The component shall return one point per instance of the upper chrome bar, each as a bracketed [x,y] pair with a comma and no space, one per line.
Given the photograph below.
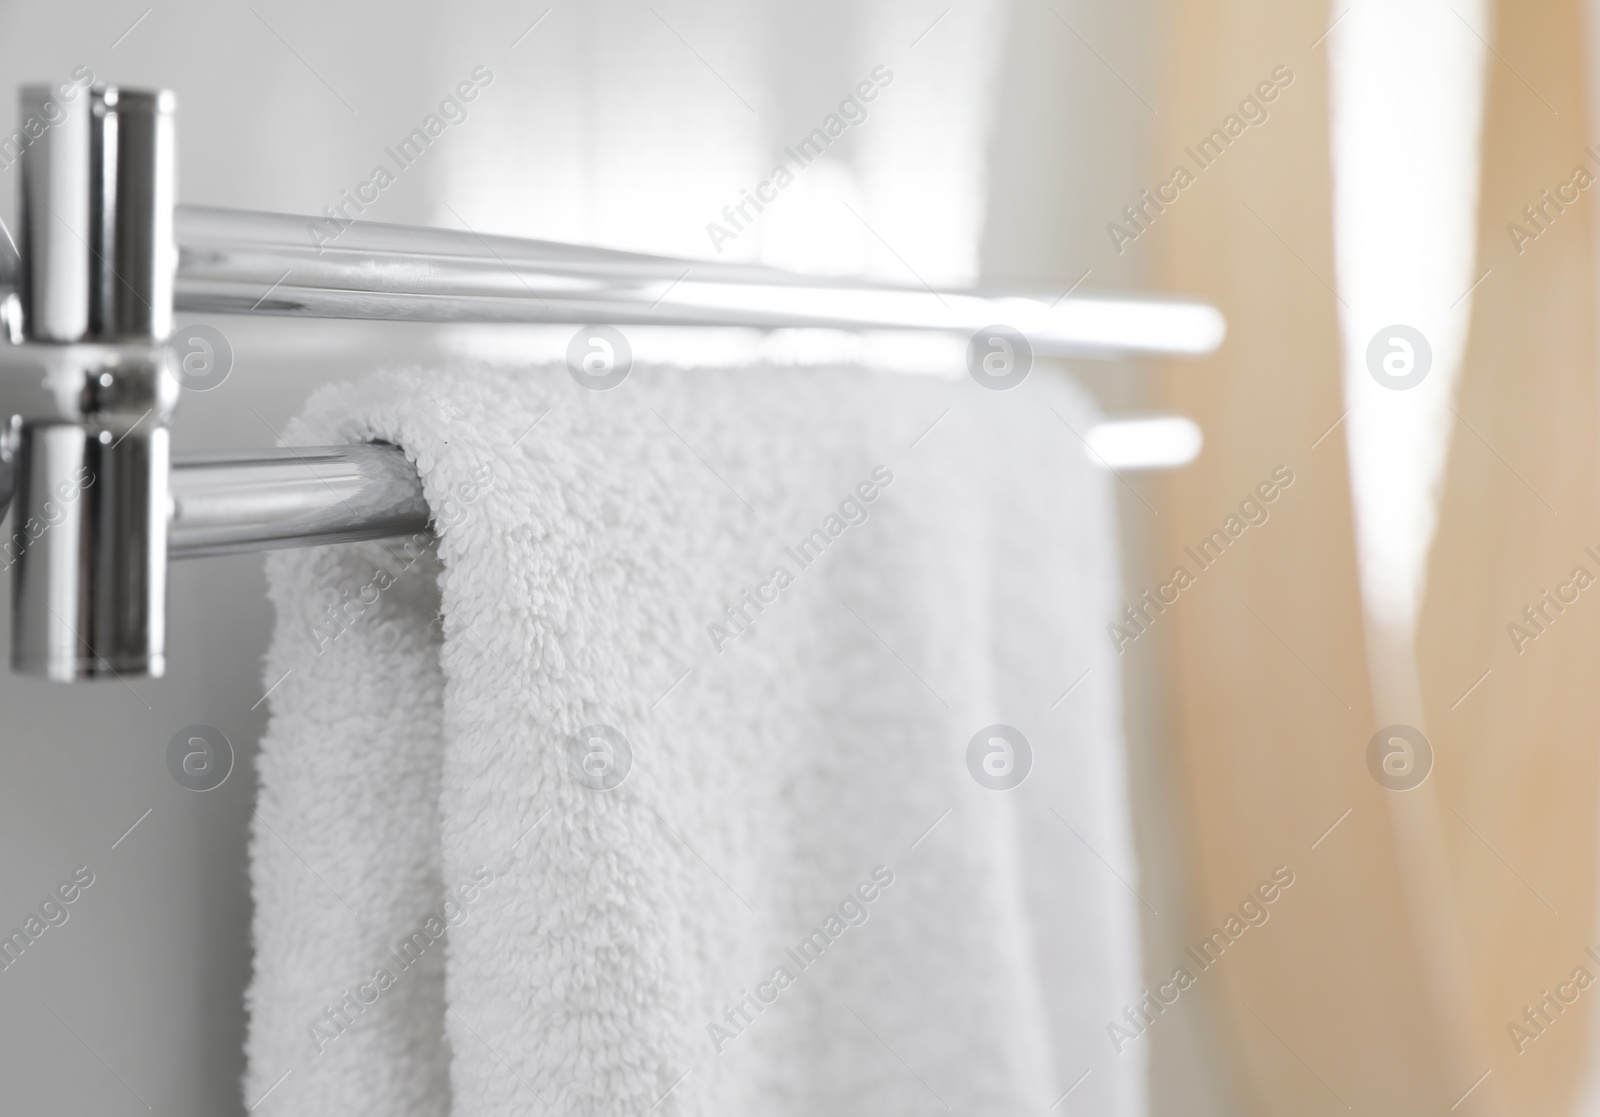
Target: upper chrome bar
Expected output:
[238,262]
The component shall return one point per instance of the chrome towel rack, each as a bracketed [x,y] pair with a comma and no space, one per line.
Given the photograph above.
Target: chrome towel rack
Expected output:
[88,387]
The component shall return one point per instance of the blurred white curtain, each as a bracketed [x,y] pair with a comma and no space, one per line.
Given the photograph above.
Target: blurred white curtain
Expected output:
[1406,88]
[1406,98]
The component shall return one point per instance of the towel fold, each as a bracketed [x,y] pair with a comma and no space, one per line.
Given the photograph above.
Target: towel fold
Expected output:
[646,785]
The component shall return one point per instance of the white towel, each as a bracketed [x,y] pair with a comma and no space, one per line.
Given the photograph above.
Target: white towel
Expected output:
[450,921]
[1057,676]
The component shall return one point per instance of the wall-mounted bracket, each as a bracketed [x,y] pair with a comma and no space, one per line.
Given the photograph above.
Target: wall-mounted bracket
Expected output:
[88,391]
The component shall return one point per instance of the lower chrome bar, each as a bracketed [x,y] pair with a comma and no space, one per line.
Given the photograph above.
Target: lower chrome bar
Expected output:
[264,500]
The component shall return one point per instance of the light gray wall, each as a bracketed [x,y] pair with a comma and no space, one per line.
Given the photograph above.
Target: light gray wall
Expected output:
[136,1000]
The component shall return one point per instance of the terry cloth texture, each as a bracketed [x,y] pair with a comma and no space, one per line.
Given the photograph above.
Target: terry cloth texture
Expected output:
[644,786]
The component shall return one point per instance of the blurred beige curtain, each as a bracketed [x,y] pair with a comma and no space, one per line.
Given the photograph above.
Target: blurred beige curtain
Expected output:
[1355,994]
[1271,707]
[1516,765]
[1328,1005]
